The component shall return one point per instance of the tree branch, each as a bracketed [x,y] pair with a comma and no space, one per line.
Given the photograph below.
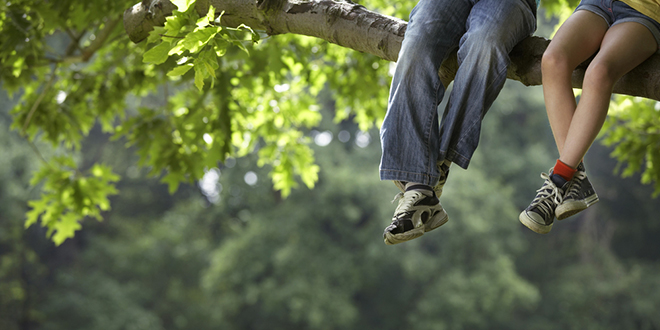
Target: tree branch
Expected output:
[96,44]
[353,26]
[100,39]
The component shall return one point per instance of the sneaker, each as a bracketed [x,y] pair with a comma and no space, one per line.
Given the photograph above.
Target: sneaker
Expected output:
[444,173]
[580,196]
[416,214]
[540,214]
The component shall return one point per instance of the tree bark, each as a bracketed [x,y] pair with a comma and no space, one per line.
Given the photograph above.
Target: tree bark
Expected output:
[351,25]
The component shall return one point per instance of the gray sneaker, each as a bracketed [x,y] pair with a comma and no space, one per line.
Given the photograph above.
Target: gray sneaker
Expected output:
[580,195]
[415,213]
[540,214]
[444,173]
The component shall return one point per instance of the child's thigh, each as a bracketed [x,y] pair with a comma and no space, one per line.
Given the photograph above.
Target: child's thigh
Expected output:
[579,37]
[623,13]
[624,46]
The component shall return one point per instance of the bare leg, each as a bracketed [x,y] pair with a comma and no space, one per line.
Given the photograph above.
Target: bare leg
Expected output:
[624,46]
[577,39]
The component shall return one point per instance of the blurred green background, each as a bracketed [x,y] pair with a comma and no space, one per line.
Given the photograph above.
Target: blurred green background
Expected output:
[230,253]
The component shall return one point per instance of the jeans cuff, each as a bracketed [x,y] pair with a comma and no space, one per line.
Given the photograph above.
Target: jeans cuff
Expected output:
[396,175]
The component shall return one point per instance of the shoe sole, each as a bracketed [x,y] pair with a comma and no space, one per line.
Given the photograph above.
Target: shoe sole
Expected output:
[438,220]
[568,209]
[533,225]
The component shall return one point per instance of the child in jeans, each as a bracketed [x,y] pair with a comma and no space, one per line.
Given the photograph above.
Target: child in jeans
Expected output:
[624,34]
[417,152]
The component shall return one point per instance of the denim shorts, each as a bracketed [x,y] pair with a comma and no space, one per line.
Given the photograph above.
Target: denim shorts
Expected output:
[615,12]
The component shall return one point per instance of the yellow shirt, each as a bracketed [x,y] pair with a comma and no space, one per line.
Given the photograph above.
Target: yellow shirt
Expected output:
[650,8]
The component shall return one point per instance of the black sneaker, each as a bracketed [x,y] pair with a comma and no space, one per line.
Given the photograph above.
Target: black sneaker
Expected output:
[540,214]
[580,196]
[415,213]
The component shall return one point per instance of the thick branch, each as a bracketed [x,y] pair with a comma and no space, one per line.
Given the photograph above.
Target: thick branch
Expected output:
[353,26]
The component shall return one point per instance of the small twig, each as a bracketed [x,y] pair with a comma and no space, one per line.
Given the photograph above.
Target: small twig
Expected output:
[14,22]
[70,33]
[39,99]
[95,45]
[75,42]
[166,90]
[100,39]
[36,151]
[173,37]
[200,101]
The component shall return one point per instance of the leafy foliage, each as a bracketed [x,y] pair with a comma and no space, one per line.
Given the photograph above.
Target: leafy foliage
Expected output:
[69,196]
[633,128]
[191,96]
[218,101]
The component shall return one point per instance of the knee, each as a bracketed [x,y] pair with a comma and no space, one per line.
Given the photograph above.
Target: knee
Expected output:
[555,61]
[414,51]
[482,46]
[601,73]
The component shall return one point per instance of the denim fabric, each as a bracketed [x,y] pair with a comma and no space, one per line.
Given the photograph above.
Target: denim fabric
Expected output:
[484,31]
[616,12]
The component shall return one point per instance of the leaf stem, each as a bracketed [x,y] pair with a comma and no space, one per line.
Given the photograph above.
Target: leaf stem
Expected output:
[36,151]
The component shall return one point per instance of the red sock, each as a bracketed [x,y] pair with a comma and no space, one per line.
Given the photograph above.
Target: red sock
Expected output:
[564,170]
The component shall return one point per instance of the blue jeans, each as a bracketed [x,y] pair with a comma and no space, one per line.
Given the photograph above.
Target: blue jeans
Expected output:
[484,31]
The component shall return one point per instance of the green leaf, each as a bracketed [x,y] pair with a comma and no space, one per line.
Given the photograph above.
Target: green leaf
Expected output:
[206,20]
[173,180]
[220,47]
[210,62]
[180,70]
[177,50]
[199,76]
[157,54]
[310,175]
[156,34]
[65,228]
[173,24]
[197,39]
[239,44]
[183,5]
[38,207]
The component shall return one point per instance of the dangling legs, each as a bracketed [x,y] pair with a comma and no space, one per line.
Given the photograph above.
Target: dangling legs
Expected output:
[624,47]
[409,135]
[576,40]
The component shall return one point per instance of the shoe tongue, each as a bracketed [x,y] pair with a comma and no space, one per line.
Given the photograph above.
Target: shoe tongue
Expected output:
[558,180]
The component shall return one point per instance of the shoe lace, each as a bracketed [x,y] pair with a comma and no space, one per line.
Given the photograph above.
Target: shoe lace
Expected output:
[405,201]
[576,184]
[548,195]
[397,197]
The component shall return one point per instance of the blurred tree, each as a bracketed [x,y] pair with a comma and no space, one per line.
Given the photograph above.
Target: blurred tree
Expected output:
[21,271]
